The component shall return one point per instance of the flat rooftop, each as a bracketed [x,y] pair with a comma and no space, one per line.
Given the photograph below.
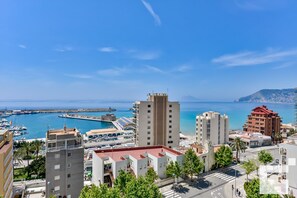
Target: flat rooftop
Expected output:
[63,131]
[136,152]
[103,131]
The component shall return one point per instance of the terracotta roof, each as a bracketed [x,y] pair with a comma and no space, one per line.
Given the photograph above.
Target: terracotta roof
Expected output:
[263,110]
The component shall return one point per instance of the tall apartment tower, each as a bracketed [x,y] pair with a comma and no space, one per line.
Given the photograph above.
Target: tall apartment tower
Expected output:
[64,163]
[212,127]
[157,121]
[262,120]
[6,167]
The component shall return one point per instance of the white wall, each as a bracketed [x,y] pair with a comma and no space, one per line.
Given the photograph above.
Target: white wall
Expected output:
[98,169]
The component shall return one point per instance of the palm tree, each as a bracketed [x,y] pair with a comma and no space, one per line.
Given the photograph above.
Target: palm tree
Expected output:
[278,137]
[26,149]
[239,146]
[18,156]
[36,145]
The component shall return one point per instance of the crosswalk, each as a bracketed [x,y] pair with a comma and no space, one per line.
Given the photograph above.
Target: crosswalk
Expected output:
[171,194]
[224,177]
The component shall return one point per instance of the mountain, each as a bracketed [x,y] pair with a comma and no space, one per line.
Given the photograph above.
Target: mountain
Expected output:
[271,96]
[189,98]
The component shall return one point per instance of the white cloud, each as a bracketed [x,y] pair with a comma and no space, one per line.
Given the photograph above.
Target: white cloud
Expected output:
[154,69]
[22,46]
[64,49]
[80,76]
[152,12]
[285,65]
[149,55]
[116,71]
[256,58]
[107,49]
[183,68]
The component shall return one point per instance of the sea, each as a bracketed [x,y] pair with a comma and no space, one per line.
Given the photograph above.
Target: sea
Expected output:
[38,124]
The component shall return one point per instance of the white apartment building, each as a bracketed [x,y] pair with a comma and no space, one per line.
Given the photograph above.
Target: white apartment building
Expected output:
[108,163]
[213,127]
[157,121]
[289,158]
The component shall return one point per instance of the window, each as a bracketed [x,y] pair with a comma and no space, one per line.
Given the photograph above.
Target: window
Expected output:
[170,111]
[170,126]
[148,111]
[57,167]
[148,127]
[170,131]
[57,177]
[148,138]
[148,106]
[148,122]
[69,175]
[57,155]
[170,116]
[169,136]
[170,121]
[148,132]
[68,186]
[148,143]
[170,106]
[69,165]
[57,188]
[69,154]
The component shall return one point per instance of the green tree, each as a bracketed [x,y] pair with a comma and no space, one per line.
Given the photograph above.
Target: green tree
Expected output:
[252,190]
[18,156]
[151,175]
[265,157]
[122,180]
[26,150]
[36,146]
[223,157]
[141,187]
[249,166]
[239,146]
[173,169]
[192,164]
[37,167]
[99,192]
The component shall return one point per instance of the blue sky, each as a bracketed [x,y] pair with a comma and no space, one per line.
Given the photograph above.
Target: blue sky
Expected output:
[114,50]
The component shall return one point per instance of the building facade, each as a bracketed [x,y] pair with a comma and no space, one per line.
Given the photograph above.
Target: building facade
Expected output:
[6,163]
[137,160]
[212,127]
[289,158]
[157,121]
[251,140]
[64,163]
[265,121]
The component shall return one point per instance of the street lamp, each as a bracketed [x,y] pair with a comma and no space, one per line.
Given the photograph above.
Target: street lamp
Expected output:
[48,183]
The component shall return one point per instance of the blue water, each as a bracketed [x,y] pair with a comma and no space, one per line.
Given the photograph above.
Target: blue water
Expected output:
[38,124]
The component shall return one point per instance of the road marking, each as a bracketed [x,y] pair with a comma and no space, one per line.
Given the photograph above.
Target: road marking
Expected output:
[224,177]
[171,193]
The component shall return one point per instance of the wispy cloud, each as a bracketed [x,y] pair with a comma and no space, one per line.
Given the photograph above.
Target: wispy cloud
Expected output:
[80,76]
[144,55]
[285,65]
[22,46]
[258,5]
[107,49]
[251,58]
[153,69]
[183,68]
[152,12]
[115,71]
[64,49]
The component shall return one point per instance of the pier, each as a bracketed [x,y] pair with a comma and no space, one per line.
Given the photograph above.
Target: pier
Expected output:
[7,113]
[104,118]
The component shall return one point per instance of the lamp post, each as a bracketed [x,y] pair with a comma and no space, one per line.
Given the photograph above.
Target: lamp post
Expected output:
[48,191]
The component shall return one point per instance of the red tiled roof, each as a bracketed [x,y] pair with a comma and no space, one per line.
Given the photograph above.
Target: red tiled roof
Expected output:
[263,110]
[135,152]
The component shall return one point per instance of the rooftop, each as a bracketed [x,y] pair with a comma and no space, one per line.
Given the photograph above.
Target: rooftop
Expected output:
[136,152]
[102,131]
[263,110]
[63,131]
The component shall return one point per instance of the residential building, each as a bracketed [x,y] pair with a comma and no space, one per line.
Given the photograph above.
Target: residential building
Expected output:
[157,121]
[263,120]
[137,160]
[64,163]
[6,163]
[212,127]
[289,160]
[251,139]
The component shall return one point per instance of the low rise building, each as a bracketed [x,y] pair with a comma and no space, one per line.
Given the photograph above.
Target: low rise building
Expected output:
[252,139]
[6,163]
[108,163]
